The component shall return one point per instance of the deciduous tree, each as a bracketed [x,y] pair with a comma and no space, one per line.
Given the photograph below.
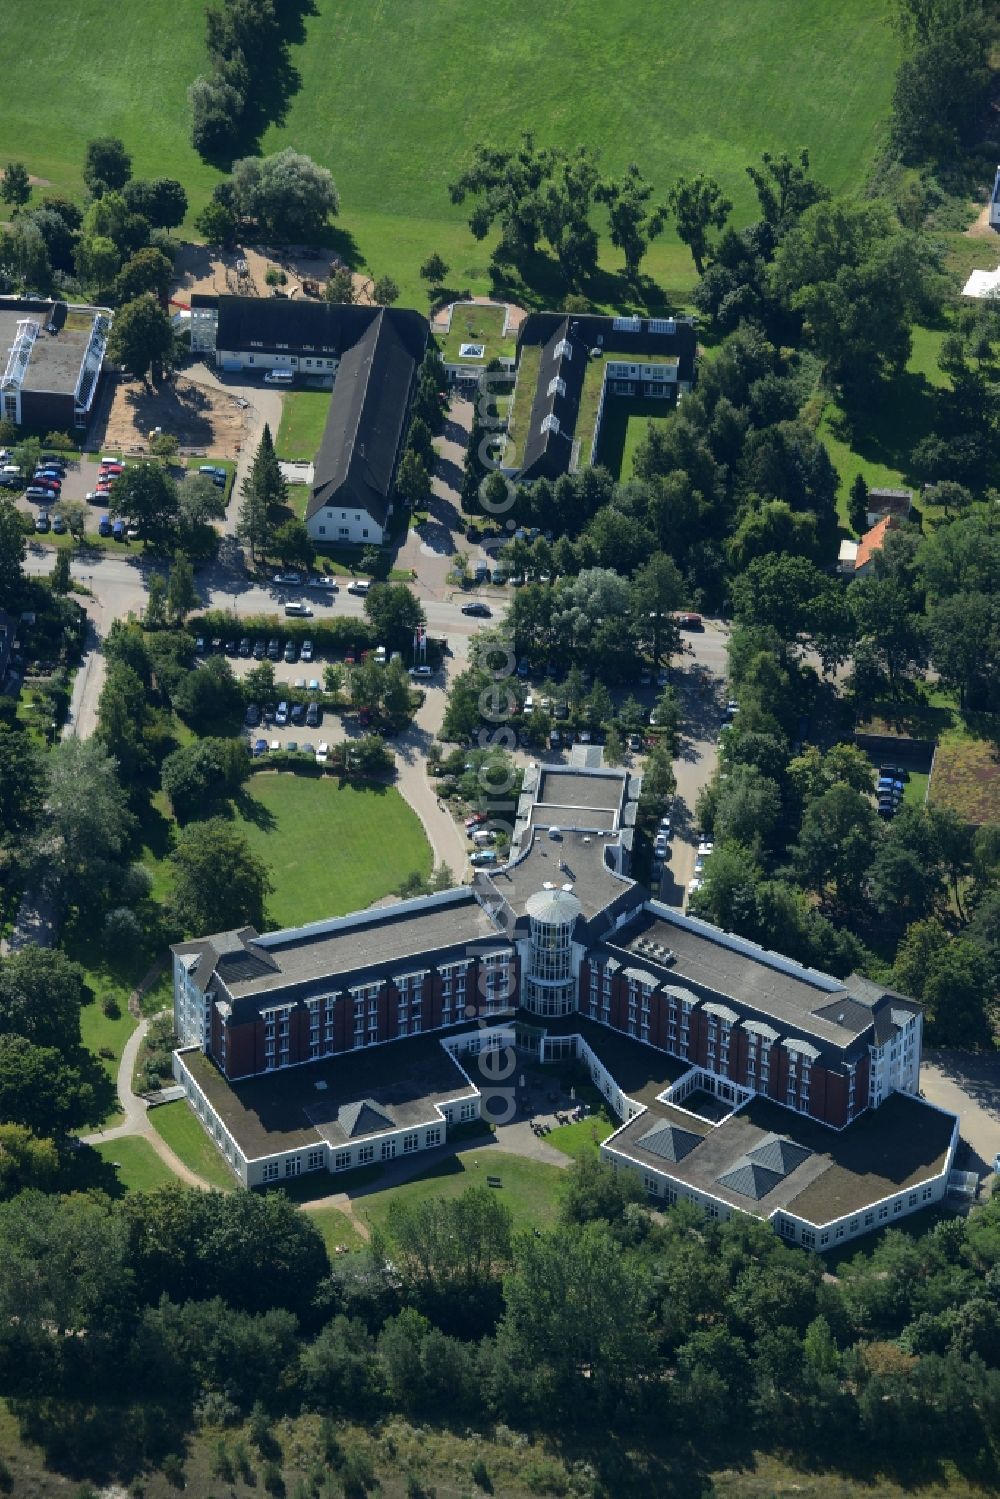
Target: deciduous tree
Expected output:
[142,338]
[698,204]
[219,882]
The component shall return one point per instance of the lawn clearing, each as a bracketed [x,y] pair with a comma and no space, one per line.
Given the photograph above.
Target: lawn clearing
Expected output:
[337,1229]
[581,1138]
[330,848]
[624,426]
[880,442]
[388,108]
[137,1166]
[182,1130]
[303,417]
[529,1187]
[110,1032]
[966,778]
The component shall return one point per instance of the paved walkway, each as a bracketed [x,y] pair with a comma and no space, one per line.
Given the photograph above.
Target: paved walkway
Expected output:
[136,1123]
[967,1083]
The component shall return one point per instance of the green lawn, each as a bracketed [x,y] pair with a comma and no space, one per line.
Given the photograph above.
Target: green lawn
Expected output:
[98,1029]
[623,428]
[879,445]
[529,1187]
[183,1131]
[581,1138]
[303,417]
[136,1165]
[330,848]
[337,1229]
[392,100]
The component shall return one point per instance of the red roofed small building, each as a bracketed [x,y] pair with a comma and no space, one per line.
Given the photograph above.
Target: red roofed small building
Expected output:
[856,557]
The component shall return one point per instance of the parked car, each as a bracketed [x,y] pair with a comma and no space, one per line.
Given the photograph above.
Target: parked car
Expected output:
[689,621]
[421,672]
[287,578]
[274,650]
[42,522]
[306,653]
[118,530]
[296,609]
[281,716]
[322,752]
[480,611]
[359,586]
[259,748]
[298,714]
[314,716]
[259,650]
[246,646]
[59,526]
[104,526]
[291,652]
[635,742]
[38,492]
[252,718]
[324,581]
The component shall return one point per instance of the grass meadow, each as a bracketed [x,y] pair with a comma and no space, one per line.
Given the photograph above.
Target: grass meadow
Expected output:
[392,99]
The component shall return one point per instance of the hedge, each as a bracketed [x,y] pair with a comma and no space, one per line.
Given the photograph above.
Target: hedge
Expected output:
[329,635]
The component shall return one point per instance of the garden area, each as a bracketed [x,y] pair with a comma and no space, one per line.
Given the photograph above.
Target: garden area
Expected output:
[528,1187]
[180,1127]
[303,417]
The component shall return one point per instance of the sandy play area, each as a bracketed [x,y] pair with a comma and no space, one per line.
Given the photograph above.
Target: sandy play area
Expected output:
[199,269]
[203,418]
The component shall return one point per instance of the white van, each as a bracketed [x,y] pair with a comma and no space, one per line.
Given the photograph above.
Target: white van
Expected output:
[482,838]
[10,471]
[279,377]
[359,586]
[297,610]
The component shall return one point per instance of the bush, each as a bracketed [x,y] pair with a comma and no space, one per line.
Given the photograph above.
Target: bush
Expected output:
[172,1469]
[122,928]
[481,1477]
[110,1006]
[274,1483]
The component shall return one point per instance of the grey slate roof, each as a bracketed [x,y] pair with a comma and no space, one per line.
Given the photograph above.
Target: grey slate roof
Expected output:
[547,452]
[312,327]
[750,1180]
[778,1154]
[363,1117]
[357,456]
[669,1141]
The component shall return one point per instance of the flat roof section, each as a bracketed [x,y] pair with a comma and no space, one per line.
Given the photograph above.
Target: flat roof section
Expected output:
[393,936]
[575,859]
[564,789]
[552,816]
[889,1149]
[284,1110]
[56,358]
[793,998]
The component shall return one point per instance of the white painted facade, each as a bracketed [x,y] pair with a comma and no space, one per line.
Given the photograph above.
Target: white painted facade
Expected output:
[332,525]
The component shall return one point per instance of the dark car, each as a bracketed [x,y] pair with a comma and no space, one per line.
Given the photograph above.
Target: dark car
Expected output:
[298,714]
[481,611]
[259,650]
[245,646]
[314,715]
[291,651]
[53,460]
[274,650]
[42,521]
[281,717]
[199,646]
[259,748]
[230,648]
[252,716]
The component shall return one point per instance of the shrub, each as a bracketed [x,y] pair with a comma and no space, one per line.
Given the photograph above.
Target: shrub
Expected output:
[481,1476]
[110,1006]
[273,1481]
[172,1468]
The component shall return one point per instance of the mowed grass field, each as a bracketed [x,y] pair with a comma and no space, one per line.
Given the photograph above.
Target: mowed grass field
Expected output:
[393,96]
[330,848]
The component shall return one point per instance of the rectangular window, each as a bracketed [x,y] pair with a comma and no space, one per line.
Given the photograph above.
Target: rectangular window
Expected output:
[913,1199]
[293,1165]
[883,1212]
[869,1219]
[410,1143]
[467,1111]
[433,1136]
[342,1160]
[808,1238]
[927,1194]
[652,1185]
[840,1231]
[854,1225]
[270,1171]
[897,1206]
[365,1154]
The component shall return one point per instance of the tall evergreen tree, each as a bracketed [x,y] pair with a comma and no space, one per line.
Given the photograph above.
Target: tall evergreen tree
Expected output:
[263,487]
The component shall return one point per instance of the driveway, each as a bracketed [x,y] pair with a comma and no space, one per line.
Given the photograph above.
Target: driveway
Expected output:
[699,677]
[967,1083]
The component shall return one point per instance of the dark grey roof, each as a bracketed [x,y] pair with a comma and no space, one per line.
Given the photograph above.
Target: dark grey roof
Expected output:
[363,1117]
[316,327]
[595,330]
[669,1141]
[750,1180]
[548,449]
[357,456]
[778,1154]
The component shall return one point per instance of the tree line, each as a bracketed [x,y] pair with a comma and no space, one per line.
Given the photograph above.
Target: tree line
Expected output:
[687,1342]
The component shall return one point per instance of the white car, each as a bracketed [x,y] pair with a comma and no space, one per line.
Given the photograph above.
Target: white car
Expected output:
[359,586]
[694,885]
[421,671]
[705,847]
[322,752]
[324,582]
[665,825]
[287,578]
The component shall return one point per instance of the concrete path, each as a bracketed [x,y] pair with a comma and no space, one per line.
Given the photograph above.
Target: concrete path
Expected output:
[136,1123]
[967,1083]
